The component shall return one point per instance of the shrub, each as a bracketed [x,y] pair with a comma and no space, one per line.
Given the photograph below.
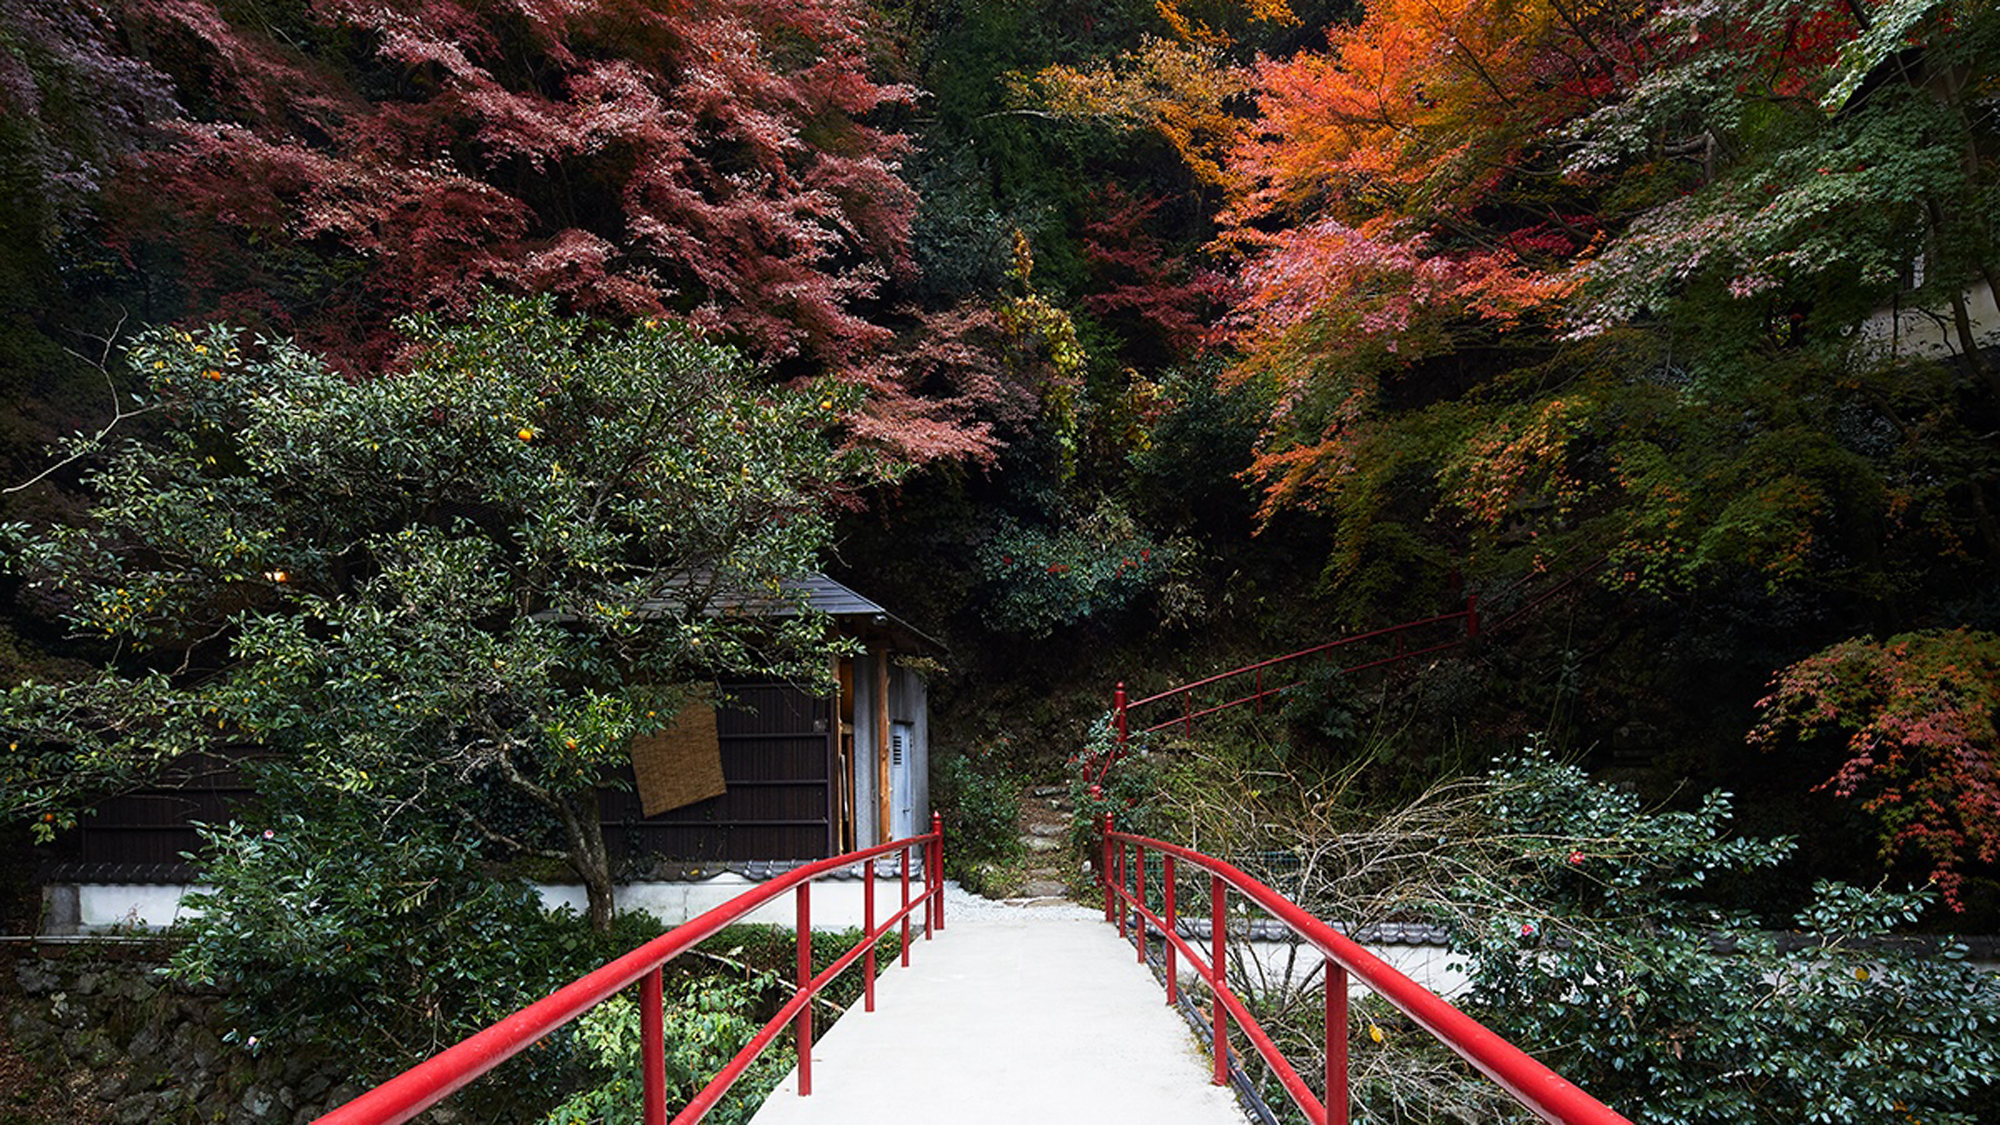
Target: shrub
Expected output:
[1592,941]
[981,805]
[1045,579]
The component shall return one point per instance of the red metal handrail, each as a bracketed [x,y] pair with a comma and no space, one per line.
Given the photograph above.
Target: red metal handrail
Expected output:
[436,1078]
[1121,708]
[1530,1083]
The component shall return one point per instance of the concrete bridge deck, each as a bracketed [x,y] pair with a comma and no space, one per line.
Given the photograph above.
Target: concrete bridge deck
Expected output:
[1019,1014]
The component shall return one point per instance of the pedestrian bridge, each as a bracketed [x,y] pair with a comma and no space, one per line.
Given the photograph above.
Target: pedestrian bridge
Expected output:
[1011,1013]
[1014,1014]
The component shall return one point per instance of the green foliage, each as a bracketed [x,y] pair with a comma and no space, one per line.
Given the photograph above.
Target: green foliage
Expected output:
[1042,580]
[1109,782]
[1594,941]
[980,801]
[326,930]
[706,1022]
[495,566]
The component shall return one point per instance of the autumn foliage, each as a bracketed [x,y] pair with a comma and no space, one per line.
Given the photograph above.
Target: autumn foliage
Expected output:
[337,164]
[1918,714]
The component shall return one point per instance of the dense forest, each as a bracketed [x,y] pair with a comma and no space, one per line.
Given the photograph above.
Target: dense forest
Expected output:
[1107,341]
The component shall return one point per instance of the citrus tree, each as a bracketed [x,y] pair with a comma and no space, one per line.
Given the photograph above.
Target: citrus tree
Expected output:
[484,573]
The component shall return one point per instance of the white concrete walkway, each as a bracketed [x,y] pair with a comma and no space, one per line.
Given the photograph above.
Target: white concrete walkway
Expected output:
[1036,1015]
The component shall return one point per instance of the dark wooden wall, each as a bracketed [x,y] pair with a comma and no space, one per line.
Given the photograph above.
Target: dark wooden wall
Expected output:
[776,757]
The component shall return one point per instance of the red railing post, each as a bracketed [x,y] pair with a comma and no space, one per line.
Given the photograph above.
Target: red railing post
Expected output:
[1123,914]
[1173,927]
[905,867]
[1104,866]
[868,924]
[653,1048]
[937,826]
[1118,709]
[1218,974]
[804,1025]
[1335,983]
[1139,894]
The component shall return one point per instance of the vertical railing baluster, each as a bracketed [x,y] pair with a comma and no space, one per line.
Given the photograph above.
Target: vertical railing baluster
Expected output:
[653,1048]
[804,1024]
[905,867]
[1173,927]
[1218,972]
[1122,912]
[1104,866]
[868,923]
[1139,897]
[1335,980]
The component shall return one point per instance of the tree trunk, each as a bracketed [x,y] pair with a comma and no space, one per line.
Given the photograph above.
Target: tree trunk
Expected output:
[587,855]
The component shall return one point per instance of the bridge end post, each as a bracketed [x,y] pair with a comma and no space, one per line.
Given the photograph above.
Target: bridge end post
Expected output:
[937,827]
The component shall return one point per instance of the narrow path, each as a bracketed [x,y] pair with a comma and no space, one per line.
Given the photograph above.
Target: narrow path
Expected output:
[1043,827]
[1015,1014]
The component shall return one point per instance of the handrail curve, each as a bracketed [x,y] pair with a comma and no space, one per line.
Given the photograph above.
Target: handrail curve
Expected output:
[1542,1091]
[1122,708]
[438,1077]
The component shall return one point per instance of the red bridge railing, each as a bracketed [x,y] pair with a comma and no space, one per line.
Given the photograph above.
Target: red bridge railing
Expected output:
[436,1078]
[1124,865]
[1261,687]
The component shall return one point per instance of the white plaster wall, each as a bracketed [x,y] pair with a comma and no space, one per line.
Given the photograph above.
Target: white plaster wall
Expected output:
[836,905]
[1928,333]
[1274,965]
[128,906]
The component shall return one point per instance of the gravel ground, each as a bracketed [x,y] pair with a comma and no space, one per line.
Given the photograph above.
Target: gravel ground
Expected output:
[960,904]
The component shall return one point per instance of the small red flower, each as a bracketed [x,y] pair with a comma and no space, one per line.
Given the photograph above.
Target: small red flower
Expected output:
[1575,858]
[1528,929]
[1097,790]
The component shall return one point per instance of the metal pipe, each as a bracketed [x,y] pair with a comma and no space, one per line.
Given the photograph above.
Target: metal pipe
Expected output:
[1334,981]
[1218,974]
[1139,893]
[1172,954]
[868,927]
[1104,865]
[653,1049]
[937,829]
[804,1025]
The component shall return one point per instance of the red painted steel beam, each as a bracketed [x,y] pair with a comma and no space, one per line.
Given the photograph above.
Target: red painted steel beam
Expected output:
[1541,1090]
[438,1077]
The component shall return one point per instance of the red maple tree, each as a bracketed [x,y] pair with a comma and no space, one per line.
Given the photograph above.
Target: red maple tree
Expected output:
[339,164]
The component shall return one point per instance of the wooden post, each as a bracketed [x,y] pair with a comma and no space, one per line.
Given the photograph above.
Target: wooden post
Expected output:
[882,776]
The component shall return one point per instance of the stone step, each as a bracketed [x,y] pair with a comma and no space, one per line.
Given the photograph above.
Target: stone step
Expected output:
[1040,844]
[1050,791]
[1040,828]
